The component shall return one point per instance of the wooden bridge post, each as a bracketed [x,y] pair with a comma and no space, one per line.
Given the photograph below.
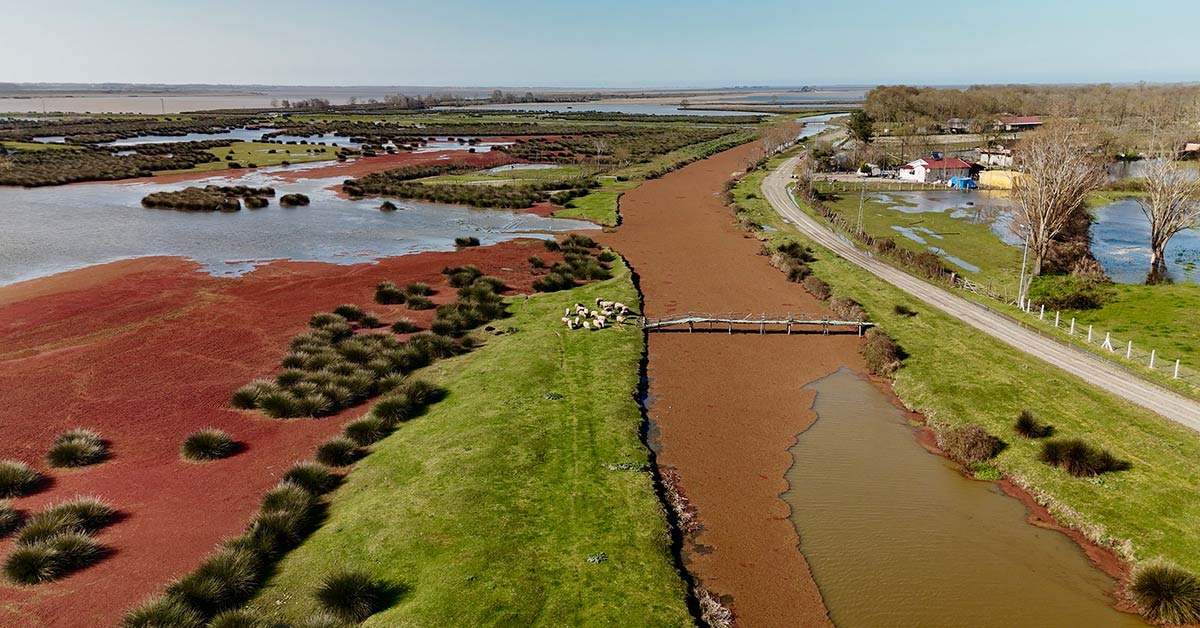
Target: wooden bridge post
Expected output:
[762,324]
[730,328]
[860,331]
[690,324]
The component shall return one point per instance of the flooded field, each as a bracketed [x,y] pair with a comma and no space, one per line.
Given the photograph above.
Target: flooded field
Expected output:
[896,536]
[49,230]
[1121,241]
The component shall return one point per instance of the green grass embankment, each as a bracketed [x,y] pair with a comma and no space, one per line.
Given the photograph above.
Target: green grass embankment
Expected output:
[955,375]
[487,508]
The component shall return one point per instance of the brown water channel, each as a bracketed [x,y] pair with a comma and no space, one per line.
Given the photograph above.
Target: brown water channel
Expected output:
[896,536]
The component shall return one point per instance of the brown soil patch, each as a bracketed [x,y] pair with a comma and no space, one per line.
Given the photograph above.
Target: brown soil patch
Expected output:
[728,408]
[147,351]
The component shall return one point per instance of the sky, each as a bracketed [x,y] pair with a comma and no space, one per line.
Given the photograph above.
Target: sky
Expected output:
[598,43]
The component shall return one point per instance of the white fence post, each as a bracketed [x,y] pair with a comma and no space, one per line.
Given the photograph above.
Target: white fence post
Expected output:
[1152,359]
[1072,327]
[1089,334]
[1056,320]
[1129,350]
[1176,369]
[1042,314]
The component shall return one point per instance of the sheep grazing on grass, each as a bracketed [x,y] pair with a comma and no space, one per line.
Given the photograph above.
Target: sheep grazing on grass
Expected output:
[621,307]
[602,304]
[620,319]
[587,325]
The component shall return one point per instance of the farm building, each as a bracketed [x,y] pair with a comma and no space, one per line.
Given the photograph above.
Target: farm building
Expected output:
[1018,123]
[996,156]
[931,170]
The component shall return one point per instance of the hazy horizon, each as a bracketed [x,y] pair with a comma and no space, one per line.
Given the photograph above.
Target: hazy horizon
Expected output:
[538,44]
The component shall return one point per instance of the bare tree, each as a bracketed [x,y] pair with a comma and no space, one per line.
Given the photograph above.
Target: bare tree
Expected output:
[806,174]
[1171,204]
[1058,171]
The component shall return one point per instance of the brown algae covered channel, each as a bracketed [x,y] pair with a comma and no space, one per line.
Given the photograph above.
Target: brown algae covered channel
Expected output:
[895,536]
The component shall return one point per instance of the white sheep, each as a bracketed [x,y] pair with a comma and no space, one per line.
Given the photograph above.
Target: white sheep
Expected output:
[621,307]
[603,304]
[566,319]
[587,325]
[567,313]
[620,318]
[601,321]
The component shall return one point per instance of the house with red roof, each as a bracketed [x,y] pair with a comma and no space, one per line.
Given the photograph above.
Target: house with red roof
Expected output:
[933,170]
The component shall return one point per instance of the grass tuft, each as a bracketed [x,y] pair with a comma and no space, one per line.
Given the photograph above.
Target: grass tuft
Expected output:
[241,618]
[17,478]
[338,451]
[82,515]
[366,430]
[10,519]
[207,444]
[417,302]
[224,581]
[52,558]
[968,444]
[163,612]
[79,447]
[388,293]
[313,477]
[1079,458]
[351,595]
[1165,592]
[1028,426]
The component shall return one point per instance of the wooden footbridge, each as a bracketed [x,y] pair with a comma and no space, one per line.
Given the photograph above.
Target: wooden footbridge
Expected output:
[762,323]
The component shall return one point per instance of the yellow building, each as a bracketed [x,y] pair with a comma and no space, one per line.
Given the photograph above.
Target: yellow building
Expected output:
[997,179]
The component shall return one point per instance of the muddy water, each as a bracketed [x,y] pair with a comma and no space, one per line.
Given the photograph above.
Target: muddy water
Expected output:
[895,536]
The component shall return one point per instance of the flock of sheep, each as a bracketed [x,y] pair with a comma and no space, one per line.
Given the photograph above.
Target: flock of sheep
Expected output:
[582,317]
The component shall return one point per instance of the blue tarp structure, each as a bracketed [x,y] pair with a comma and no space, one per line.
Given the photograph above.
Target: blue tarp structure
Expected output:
[963,183]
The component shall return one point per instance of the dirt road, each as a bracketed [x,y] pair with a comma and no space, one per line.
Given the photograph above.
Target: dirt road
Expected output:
[1091,368]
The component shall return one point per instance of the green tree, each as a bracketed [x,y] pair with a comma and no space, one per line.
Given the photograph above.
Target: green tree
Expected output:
[862,127]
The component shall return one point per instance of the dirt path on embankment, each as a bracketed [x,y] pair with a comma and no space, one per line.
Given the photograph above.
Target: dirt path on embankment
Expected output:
[728,407]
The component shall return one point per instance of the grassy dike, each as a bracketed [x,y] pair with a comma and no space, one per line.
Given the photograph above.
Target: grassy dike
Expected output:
[486,510]
[955,374]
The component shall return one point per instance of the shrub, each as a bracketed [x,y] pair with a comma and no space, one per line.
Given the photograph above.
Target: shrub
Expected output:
[968,444]
[419,303]
[293,200]
[369,321]
[404,326]
[1079,458]
[901,309]
[536,262]
[848,309]
[17,478]
[163,612]
[349,311]
[881,353]
[387,206]
[466,242]
[1028,426]
[388,293]
[338,451]
[1165,592]
[256,202]
[313,477]
[279,404]
[52,558]
[223,581]
[351,595]
[77,448]
[241,618]
[554,282]
[418,289]
[10,519]
[326,320]
[207,444]
[365,430]
[817,287]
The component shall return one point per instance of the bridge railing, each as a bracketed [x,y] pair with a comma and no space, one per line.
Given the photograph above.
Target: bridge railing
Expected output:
[762,320]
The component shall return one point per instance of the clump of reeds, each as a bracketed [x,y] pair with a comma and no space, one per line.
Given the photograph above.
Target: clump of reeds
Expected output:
[881,353]
[79,447]
[313,477]
[338,451]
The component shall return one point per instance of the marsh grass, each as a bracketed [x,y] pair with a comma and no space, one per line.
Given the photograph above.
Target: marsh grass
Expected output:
[366,430]
[1164,592]
[223,581]
[17,478]
[52,558]
[78,447]
[405,326]
[207,444]
[417,302]
[418,289]
[10,519]
[82,515]
[968,444]
[241,618]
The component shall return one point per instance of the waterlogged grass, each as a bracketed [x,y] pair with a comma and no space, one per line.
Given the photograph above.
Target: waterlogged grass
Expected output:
[34,147]
[957,375]
[1154,317]
[258,153]
[484,512]
[599,206]
[687,154]
[999,264]
[509,176]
